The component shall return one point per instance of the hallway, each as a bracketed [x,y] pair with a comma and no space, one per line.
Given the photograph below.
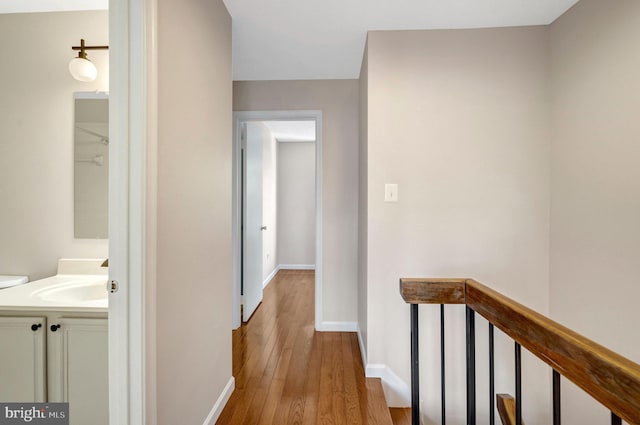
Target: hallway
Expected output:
[286,373]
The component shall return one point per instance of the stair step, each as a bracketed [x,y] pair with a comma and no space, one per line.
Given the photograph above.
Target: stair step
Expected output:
[400,415]
[377,410]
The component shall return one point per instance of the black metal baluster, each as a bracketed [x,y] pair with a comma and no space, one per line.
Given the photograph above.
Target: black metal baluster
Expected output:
[556,398]
[415,375]
[442,374]
[518,384]
[471,367]
[492,378]
[615,419]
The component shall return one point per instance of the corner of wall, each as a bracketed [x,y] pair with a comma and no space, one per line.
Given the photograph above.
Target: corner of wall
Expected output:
[362,254]
[363,348]
[396,391]
[270,277]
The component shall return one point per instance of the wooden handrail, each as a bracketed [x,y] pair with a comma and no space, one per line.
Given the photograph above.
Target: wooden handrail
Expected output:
[608,377]
[437,291]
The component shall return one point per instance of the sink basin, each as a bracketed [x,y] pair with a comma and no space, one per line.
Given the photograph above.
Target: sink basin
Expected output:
[76,292]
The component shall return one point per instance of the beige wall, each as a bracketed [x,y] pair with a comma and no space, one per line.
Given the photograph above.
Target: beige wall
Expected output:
[36,137]
[193,209]
[296,203]
[338,100]
[595,203]
[459,120]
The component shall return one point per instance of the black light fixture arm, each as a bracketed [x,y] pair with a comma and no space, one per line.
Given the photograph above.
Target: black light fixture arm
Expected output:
[83,54]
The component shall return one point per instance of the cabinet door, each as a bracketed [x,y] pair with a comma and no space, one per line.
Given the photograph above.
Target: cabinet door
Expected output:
[22,359]
[78,368]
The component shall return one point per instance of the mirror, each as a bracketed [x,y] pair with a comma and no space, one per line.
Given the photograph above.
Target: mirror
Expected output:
[91,166]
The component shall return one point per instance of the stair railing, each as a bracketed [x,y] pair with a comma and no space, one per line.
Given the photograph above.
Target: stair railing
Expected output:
[609,378]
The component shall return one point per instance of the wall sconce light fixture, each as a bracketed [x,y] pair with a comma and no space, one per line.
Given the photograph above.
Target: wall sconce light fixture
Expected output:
[81,68]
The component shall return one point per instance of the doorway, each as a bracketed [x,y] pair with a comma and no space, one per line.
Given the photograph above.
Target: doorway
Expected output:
[277,202]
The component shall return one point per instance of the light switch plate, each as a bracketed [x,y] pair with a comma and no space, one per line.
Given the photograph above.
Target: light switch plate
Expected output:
[390,192]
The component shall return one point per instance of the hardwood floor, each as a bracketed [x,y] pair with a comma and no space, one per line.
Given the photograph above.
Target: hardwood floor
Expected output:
[286,373]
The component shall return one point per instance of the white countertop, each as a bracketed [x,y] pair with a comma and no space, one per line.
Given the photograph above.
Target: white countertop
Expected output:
[26,297]
[77,292]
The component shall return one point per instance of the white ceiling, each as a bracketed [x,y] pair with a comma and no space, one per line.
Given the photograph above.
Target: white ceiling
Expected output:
[292,131]
[324,39]
[23,6]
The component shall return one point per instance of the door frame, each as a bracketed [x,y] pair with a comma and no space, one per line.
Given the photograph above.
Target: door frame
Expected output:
[132,194]
[240,117]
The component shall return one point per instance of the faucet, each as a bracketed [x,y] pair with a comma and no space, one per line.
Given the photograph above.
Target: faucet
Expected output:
[105,263]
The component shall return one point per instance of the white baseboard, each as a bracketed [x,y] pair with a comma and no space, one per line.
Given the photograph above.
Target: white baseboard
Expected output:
[221,402]
[396,391]
[286,267]
[337,327]
[297,267]
[270,277]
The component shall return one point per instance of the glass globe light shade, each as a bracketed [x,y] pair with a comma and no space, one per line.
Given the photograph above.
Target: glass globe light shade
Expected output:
[83,69]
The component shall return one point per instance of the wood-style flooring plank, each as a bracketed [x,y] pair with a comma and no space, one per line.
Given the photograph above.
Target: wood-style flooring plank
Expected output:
[274,397]
[400,415]
[292,408]
[353,415]
[285,376]
[377,413]
[326,407]
[287,373]
[312,386]
[337,382]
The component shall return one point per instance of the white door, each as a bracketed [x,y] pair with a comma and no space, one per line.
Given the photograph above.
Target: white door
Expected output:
[252,226]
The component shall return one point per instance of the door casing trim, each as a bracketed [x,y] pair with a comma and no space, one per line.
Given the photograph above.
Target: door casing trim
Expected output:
[292,115]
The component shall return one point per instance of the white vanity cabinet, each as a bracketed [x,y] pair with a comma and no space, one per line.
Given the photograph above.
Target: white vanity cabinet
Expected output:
[23,359]
[56,357]
[78,368]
